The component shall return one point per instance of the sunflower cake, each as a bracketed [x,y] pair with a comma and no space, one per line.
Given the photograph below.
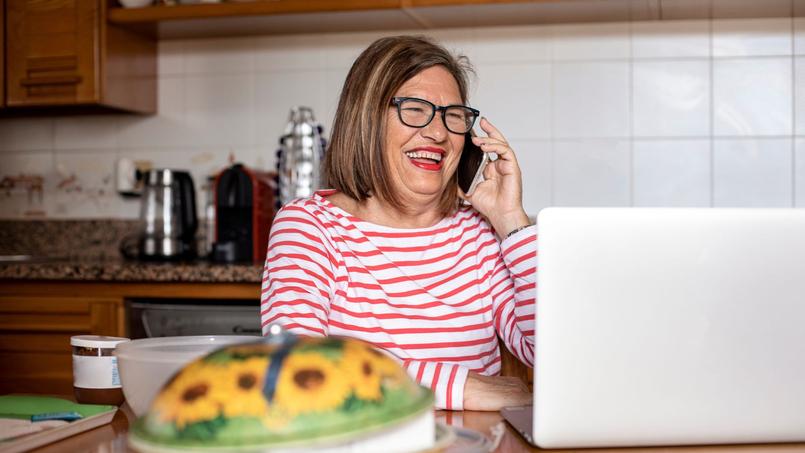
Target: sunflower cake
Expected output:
[331,394]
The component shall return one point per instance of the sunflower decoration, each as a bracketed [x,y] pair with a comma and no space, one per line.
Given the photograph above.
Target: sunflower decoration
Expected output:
[245,351]
[309,382]
[240,389]
[363,370]
[278,394]
[386,366]
[190,396]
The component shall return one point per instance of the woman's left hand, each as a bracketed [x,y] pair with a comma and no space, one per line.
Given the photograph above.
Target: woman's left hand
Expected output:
[500,196]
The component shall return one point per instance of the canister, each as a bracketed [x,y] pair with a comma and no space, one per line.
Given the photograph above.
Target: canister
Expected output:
[95,376]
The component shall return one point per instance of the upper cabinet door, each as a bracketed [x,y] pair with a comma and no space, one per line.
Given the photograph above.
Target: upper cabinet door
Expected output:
[2,53]
[52,52]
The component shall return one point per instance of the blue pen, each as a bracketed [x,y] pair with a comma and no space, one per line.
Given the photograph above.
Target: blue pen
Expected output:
[67,416]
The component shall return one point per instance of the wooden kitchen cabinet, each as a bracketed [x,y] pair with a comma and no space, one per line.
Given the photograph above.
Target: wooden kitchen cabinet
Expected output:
[37,319]
[63,53]
[2,53]
[35,336]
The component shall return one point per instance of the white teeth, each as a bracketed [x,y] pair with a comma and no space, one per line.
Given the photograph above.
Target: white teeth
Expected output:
[424,155]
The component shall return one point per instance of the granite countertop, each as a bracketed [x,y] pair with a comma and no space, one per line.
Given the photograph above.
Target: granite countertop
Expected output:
[119,270]
[88,250]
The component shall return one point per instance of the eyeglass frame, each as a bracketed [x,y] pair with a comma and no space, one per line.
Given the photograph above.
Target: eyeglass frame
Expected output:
[397,101]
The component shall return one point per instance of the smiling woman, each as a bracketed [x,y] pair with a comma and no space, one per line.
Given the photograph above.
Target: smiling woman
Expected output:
[390,255]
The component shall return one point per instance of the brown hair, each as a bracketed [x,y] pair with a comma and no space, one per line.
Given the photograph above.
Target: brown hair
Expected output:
[355,163]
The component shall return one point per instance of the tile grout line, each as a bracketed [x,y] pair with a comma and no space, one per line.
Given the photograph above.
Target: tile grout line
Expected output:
[631,116]
[711,88]
[793,112]
[552,87]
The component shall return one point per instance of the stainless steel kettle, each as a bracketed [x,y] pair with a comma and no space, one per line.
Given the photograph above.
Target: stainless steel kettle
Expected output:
[168,216]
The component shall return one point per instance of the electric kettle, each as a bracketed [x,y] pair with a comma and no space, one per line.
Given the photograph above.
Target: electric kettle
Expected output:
[168,220]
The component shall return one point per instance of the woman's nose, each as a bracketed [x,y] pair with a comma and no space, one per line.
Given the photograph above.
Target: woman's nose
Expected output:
[435,130]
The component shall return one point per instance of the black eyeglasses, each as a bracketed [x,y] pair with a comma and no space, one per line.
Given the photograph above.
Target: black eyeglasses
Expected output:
[416,112]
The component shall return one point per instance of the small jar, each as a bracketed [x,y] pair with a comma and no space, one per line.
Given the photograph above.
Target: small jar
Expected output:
[95,376]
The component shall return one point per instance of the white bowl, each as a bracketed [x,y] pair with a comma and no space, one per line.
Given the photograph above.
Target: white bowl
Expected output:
[146,365]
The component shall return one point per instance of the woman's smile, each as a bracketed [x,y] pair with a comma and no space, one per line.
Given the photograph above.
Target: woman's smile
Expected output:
[427,158]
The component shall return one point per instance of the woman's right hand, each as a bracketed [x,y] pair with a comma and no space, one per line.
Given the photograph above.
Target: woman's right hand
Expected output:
[491,393]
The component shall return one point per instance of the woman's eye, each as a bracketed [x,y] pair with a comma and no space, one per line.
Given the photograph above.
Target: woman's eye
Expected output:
[415,110]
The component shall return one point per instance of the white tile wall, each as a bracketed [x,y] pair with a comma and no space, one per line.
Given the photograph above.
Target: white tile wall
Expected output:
[799,173]
[22,203]
[86,132]
[26,134]
[512,44]
[86,184]
[591,41]
[672,173]
[591,173]
[752,37]
[276,92]
[799,35]
[219,56]
[537,156]
[167,128]
[220,109]
[671,98]
[671,39]
[530,81]
[660,113]
[591,99]
[752,96]
[752,172]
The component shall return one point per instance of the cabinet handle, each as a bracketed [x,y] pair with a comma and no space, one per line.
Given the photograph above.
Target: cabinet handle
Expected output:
[51,80]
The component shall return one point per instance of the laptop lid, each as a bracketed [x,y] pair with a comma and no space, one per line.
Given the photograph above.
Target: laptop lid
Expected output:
[663,326]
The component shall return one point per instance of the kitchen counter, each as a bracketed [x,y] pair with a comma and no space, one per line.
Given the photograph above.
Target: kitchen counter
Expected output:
[111,438]
[88,250]
[118,270]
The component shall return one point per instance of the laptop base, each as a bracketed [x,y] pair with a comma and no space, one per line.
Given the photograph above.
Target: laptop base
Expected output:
[522,420]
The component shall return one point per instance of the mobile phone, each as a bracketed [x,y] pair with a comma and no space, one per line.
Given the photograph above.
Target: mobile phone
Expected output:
[471,165]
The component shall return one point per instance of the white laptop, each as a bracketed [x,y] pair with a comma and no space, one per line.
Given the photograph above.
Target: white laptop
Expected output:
[668,326]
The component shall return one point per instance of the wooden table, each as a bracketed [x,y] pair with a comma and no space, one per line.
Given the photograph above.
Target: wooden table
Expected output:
[111,438]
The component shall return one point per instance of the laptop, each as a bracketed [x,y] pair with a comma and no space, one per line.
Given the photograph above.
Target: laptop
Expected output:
[668,326]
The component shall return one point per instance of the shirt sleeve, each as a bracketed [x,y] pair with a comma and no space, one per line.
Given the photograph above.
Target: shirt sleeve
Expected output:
[514,291]
[446,380]
[298,280]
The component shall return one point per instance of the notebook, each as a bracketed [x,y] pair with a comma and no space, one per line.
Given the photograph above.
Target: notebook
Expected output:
[19,433]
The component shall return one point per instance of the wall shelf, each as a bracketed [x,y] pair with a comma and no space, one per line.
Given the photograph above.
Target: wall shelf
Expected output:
[265,17]
[312,16]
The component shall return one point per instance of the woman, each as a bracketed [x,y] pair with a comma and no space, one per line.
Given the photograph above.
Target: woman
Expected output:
[390,255]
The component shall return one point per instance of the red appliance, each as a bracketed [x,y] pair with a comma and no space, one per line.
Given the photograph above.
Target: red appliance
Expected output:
[244,210]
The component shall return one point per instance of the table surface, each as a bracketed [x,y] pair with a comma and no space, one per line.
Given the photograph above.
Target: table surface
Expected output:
[111,438]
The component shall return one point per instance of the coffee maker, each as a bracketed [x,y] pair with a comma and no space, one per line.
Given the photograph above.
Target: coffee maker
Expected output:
[244,210]
[167,216]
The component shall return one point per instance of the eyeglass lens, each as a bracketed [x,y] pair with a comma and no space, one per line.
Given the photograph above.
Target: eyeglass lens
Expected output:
[418,113]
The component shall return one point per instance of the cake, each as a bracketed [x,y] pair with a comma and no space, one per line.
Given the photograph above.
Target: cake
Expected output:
[331,394]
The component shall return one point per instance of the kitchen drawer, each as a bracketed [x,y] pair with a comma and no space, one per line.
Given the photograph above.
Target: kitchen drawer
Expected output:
[35,338]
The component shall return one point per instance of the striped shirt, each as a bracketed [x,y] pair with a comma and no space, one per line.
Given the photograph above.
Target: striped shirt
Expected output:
[435,298]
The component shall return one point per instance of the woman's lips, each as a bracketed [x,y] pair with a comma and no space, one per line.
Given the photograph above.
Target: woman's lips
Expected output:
[426,164]
[427,158]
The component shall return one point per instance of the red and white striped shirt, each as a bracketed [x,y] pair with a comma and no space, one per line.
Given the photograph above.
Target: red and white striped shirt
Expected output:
[434,297]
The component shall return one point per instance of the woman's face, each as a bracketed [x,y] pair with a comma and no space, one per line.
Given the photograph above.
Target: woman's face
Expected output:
[421,180]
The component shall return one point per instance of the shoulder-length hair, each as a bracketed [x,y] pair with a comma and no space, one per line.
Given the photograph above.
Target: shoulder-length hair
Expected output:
[355,163]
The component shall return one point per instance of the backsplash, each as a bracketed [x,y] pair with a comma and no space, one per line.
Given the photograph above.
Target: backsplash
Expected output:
[73,239]
[672,113]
